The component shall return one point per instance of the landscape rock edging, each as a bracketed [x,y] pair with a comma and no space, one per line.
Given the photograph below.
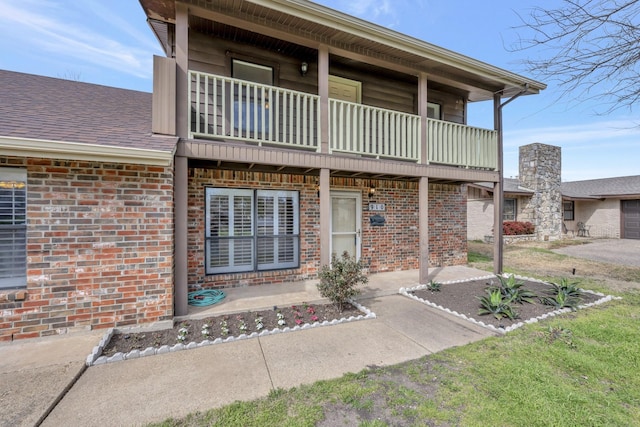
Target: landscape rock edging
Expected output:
[96,358]
[407,292]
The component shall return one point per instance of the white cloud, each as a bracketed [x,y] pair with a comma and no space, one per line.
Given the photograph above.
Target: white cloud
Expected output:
[44,26]
[589,150]
[584,134]
[379,11]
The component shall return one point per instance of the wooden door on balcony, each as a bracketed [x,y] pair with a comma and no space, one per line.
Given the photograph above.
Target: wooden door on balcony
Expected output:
[345,89]
[346,223]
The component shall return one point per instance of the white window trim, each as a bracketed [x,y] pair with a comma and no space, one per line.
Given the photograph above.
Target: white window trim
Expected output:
[255,266]
[16,249]
[515,209]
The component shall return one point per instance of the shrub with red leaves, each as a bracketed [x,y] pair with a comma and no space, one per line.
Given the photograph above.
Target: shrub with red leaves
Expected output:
[517,228]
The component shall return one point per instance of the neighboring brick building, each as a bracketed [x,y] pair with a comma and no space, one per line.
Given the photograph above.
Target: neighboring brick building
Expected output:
[264,149]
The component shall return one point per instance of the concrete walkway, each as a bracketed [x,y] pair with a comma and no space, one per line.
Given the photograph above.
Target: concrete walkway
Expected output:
[135,392]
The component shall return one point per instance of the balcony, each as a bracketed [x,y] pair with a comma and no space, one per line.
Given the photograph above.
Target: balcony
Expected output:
[230,109]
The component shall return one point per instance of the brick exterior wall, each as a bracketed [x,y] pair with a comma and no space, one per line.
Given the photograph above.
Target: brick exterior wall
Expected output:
[447,225]
[199,179]
[389,248]
[99,247]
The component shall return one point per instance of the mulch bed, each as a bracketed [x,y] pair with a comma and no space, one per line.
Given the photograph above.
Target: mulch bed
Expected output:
[228,326]
[464,298]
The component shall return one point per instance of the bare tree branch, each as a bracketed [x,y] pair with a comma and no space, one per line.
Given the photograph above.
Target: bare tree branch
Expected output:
[590,48]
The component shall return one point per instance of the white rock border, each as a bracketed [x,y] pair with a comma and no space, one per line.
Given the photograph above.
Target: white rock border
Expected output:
[96,358]
[407,292]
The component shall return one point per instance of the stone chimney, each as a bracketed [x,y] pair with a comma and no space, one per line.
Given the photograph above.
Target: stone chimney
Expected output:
[540,171]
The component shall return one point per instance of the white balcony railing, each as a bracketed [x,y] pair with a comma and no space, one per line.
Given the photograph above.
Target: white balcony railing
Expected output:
[226,108]
[460,145]
[369,131]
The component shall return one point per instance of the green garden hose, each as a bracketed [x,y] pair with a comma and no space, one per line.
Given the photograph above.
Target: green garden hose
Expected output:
[205,297]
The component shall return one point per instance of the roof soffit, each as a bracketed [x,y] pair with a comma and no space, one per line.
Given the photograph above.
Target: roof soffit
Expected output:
[314,25]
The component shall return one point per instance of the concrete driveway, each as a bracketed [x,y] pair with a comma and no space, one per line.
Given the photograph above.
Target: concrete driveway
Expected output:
[615,251]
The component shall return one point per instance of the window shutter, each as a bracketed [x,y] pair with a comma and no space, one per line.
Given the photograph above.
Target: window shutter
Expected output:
[229,230]
[13,229]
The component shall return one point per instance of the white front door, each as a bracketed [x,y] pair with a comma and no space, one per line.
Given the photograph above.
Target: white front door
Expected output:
[346,224]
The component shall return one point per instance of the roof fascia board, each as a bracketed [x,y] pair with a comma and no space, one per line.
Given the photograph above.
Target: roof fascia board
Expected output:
[340,21]
[27,147]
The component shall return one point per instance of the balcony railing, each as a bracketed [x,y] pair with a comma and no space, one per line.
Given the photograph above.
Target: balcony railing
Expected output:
[459,145]
[226,108]
[368,131]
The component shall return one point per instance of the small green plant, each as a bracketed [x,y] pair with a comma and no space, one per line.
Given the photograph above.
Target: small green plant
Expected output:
[281,319]
[562,300]
[182,334]
[339,281]
[566,288]
[563,295]
[224,327]
[434,286]
[206,330]
[558,333]
[259,323]
[511,289]
[242,325]
[496,304]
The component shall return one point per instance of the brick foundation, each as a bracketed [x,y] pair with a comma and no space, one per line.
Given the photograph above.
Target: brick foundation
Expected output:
[99,247]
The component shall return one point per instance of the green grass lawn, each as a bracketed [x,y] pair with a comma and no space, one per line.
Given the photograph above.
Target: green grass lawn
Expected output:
[579,369]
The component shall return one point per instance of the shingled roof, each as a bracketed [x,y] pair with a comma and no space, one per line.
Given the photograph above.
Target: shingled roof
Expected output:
[511,186]
[623,186]
[45,108]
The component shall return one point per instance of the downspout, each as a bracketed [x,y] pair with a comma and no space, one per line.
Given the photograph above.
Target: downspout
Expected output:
[497,221]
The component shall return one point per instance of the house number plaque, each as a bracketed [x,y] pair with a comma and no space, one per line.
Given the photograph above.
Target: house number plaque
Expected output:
[376,207]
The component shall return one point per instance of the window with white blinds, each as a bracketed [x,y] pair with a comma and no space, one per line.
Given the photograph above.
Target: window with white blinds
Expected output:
[249,230]
[13,228]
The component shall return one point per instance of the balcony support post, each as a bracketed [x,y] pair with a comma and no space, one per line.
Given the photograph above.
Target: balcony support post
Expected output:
[423,227]
[497,191]
[181,279]
[325,217]
[323,93]
[422,112]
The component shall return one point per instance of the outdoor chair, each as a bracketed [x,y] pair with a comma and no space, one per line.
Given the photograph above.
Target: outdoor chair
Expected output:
[583,230]
[567,231]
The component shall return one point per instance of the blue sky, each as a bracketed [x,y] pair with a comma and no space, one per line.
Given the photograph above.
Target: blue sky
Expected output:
[110,43]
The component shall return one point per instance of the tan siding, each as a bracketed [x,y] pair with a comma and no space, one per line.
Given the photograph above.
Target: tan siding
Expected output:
[163,119]
[602,216]
[479,214]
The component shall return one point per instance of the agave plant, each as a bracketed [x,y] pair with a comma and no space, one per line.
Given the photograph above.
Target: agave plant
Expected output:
[433,286]
[566,288]
[512,289]
[495,303]
[562,300]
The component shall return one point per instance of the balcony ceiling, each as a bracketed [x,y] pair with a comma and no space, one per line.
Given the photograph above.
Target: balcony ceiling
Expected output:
[305,26]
